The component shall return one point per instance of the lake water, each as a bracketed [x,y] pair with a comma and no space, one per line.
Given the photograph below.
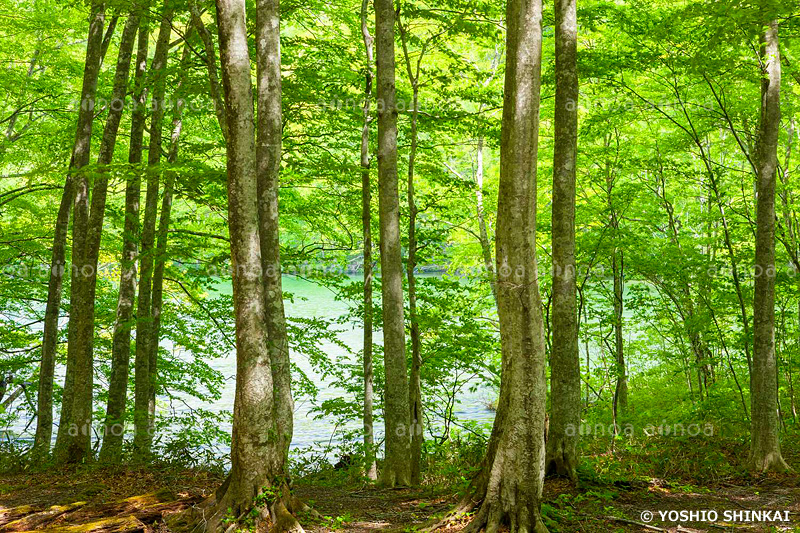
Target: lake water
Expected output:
[310,300]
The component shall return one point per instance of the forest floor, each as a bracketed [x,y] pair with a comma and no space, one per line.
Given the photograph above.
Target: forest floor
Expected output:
[127,500]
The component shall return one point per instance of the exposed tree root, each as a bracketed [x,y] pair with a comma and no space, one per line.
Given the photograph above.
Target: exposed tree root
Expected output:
[770,462]
[561,461]
[213,516]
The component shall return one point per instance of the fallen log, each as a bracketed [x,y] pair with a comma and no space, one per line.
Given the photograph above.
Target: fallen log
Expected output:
[36,520]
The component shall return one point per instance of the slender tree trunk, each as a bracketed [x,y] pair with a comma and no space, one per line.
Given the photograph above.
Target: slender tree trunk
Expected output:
[765,450]
[211,64]
[142,413]
[268,164]
[370,467]
[163,231]
[509,485]
[112,25]
[565,418]
[397,464]
[621,372]
[81,152]
[76,443]
[486,245]
[415,392]
[121,345]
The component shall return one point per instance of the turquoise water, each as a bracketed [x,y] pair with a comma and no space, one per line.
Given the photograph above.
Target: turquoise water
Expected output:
[311,300]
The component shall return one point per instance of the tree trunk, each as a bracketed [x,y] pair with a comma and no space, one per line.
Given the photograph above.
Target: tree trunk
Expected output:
[621,372]
[415,393]
[255,446]
[121,344]
[75,445]
[565,418]
[81,152]
[765,450]
[509,485]
[142,414]
[162,234]
[268,164]
[486,245]
[397,464]
[211,64]
[370,467]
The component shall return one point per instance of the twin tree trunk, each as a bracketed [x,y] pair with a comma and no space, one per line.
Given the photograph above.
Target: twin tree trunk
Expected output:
[396,466]
[252,454]
[765,450]
[80,157]
[370,467]
[262,413]
[562,453]
[74,436]
[509,486]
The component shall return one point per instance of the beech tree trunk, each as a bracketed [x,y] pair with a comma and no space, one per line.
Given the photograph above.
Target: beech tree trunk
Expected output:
[765,449]
[81,152]
[509,487]
[255,448]
[565,388]
[113,431]
[75,444]
[268,164]
[370,467]
[143,378]
[397,461]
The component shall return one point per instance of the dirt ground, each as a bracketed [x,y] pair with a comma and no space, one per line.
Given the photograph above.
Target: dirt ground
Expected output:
[128,500]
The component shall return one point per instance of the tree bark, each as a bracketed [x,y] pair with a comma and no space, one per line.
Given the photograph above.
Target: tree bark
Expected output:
[765,450]
[370,467]
[397,464]
[268,164]
[80,157]
[142,414]
[75,445]
[565,418]
[509,486]
[121,343]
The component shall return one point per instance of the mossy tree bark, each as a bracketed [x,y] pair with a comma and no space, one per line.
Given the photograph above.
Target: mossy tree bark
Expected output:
[143,378]
[261,432]
[268,164]
[74,443]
